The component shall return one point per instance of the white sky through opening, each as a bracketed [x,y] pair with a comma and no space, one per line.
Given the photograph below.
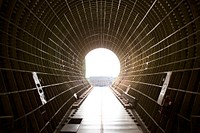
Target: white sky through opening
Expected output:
[102,62]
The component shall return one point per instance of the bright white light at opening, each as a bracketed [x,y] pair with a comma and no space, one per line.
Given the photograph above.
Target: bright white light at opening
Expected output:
[102,62]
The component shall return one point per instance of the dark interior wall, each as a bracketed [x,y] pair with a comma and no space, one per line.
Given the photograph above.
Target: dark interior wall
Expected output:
[52,37]
[30,42]
[174,26]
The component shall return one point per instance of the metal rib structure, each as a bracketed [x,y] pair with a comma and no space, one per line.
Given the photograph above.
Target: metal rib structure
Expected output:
[52,37]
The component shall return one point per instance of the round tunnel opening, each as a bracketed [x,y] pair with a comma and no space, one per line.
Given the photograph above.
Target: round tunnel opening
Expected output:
[102,66]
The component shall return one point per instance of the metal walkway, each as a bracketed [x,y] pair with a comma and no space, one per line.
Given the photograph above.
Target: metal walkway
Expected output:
[101,112]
